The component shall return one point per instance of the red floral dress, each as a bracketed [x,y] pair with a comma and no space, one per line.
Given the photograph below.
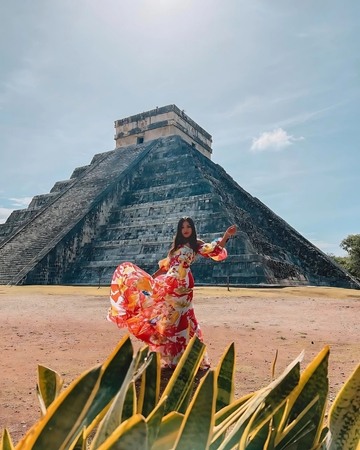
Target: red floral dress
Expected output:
[160,311]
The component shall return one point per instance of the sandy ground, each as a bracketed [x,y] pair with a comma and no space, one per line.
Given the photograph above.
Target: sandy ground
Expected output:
[65,328]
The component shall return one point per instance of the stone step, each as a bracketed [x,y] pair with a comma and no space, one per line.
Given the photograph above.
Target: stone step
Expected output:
[43,232]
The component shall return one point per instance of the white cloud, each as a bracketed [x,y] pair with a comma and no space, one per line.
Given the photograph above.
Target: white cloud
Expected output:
[15,203]
[21,202]
[4,214]
[274,140]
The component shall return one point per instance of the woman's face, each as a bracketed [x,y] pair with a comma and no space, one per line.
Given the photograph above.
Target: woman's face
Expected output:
[186,229]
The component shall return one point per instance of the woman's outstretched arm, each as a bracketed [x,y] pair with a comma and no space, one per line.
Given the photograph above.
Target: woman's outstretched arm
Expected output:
[160,271]
[229,232]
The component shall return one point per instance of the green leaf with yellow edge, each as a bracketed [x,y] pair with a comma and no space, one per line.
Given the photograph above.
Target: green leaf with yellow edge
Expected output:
[168,432]
[186,400]
[184,374]
[113,417]
[224,413]
[225,378]
[153,421]
[150,386]
[272,396]
[61,423]
[129,406]
[344,416]
[226,417]
[196,429]
[280,388]
[263,437]
[80,443]
[230,420]
[6,443]
[130,435]
[81,402]
[313,382]
[114,371]
[298,428]
[49,383]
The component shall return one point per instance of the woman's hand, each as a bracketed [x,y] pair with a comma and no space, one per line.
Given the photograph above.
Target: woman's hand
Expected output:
[231,230]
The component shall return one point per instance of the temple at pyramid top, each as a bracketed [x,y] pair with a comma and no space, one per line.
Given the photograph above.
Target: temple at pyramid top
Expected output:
[160,122]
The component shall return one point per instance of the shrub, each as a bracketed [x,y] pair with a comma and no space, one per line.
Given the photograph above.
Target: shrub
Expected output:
[288,414]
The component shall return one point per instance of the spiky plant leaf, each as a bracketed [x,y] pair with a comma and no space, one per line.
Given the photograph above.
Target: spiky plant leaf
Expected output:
[61,423]
[313,382]
[183,377]
[196,429]
[265,403]
[225,378]
[153,421]
[168,432]
[113,417]
[130,435]
[81,442]
[6,442]
[344,416]
[150,386]
[129,406]
[49,384]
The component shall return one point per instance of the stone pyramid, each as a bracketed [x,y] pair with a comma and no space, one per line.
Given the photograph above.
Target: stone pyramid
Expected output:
[125,206]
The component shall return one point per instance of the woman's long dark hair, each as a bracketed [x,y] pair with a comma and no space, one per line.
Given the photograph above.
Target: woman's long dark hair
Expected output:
[179,238]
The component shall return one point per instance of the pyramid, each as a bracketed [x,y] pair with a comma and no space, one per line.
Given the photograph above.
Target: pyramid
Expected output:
[125,205]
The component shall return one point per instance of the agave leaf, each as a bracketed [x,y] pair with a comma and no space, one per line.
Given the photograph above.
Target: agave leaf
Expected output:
[184,374]
[224,413]
[130,435]
[252,410]
[142,359]
[80,403]
[196,428]
[272,396]
[279,390]
[153,421]
[225,378]
[112,418]
[6,443]
[80,443]
[50,384]
[169,430]
[129,406]
[41,401]
[226,417]
[114,371]
[263,436]
[244,437]
[150,386]
[60,425]
[344,416]
[186,400]
[313,382]
[299,427]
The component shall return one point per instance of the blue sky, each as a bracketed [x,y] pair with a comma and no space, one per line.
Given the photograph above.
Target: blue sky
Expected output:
[275,83]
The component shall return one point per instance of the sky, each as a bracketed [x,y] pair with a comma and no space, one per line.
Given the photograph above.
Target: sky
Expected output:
[276,84]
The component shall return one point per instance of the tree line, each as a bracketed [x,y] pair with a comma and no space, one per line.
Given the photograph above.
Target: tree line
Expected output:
[351,263]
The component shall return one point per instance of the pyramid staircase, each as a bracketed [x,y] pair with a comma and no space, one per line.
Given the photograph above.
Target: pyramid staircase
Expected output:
[23,249]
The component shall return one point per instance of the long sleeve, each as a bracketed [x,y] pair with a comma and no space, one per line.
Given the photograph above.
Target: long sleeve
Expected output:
[213,250]
[164,264]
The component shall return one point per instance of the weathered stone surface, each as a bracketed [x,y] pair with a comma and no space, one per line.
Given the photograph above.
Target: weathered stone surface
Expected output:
[126,206]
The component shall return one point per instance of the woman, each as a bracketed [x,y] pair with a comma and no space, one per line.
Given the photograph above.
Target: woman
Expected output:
[158,309]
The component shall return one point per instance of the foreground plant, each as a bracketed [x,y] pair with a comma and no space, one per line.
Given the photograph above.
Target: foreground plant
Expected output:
[286,415]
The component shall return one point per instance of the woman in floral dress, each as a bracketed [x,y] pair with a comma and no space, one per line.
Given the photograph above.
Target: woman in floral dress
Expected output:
[158,309]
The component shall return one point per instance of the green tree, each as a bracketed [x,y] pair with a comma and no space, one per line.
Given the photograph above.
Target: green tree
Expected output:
[351,245]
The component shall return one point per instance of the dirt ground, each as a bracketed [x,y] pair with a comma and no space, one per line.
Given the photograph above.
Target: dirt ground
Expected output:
[65,328]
